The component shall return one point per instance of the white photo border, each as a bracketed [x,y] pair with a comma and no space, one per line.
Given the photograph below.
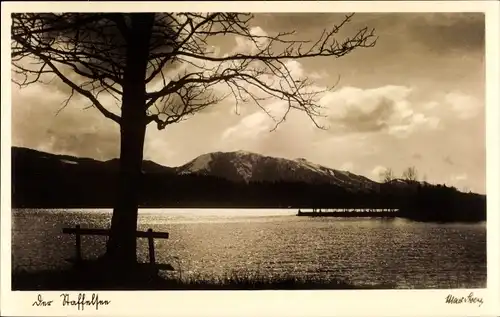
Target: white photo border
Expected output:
[267,303]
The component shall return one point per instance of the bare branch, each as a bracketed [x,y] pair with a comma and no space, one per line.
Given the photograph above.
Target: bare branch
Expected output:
[85,93]
[94,47]
[66,102]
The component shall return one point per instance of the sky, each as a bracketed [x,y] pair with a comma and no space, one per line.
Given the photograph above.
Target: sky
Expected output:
[415,99]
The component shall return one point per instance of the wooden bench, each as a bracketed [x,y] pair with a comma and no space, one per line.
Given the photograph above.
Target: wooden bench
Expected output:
[150,235]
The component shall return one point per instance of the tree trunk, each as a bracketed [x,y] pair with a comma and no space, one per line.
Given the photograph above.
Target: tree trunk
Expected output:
[122,243]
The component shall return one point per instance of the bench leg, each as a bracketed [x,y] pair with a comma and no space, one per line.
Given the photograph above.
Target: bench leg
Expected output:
[151,245]
[78,245]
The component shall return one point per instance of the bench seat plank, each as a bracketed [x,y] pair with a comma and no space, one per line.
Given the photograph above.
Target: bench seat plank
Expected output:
[106,232]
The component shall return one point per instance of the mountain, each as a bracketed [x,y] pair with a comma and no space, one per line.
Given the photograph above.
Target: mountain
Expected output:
[243,166]
[42,161]
[230,180]
[41,179]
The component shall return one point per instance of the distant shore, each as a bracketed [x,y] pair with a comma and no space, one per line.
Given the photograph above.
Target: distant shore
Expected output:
[305,212]
[44,180]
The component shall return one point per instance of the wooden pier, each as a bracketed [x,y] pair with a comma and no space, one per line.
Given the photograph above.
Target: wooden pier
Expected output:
[351,212]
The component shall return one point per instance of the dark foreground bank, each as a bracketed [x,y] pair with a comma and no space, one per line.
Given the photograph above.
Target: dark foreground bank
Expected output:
[89,279]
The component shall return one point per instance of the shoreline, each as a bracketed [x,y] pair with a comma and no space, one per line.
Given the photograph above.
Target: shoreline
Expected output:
[261,213]
[71,279]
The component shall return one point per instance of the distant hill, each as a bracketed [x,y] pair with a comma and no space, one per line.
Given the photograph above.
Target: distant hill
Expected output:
[233,180]
[242,166]
[42,161]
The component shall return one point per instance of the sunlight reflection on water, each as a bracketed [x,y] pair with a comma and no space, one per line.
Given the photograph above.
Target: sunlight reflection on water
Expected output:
[210,242]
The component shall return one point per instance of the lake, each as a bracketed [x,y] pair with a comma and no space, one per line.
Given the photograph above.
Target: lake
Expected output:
[208,243]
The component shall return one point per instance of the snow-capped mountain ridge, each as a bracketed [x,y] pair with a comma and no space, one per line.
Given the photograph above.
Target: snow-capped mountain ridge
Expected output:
[247,167]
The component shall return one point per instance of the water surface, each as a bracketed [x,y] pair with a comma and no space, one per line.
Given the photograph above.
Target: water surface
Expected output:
[219,242]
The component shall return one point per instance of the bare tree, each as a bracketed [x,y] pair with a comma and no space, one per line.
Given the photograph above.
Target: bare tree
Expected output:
[410,174]
[160,68]
[387,175]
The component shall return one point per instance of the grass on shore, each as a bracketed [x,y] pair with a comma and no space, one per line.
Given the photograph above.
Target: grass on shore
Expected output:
[90,279]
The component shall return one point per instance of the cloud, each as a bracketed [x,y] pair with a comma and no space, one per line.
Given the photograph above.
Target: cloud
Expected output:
[459,177]
[465,106]
[386,108]
[246,45]
[448,31]
[363,120]
[417,121]
[254,124]
[295,68]
[378,170]
[412,93]
[460,181]
[347,166]
[73,130]
[249,127]
[429,31]
[430,105]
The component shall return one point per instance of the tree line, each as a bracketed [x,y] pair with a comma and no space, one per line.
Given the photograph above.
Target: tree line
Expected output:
[76,187]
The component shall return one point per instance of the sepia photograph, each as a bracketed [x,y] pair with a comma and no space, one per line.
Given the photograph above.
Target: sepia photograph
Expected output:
[250,151]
